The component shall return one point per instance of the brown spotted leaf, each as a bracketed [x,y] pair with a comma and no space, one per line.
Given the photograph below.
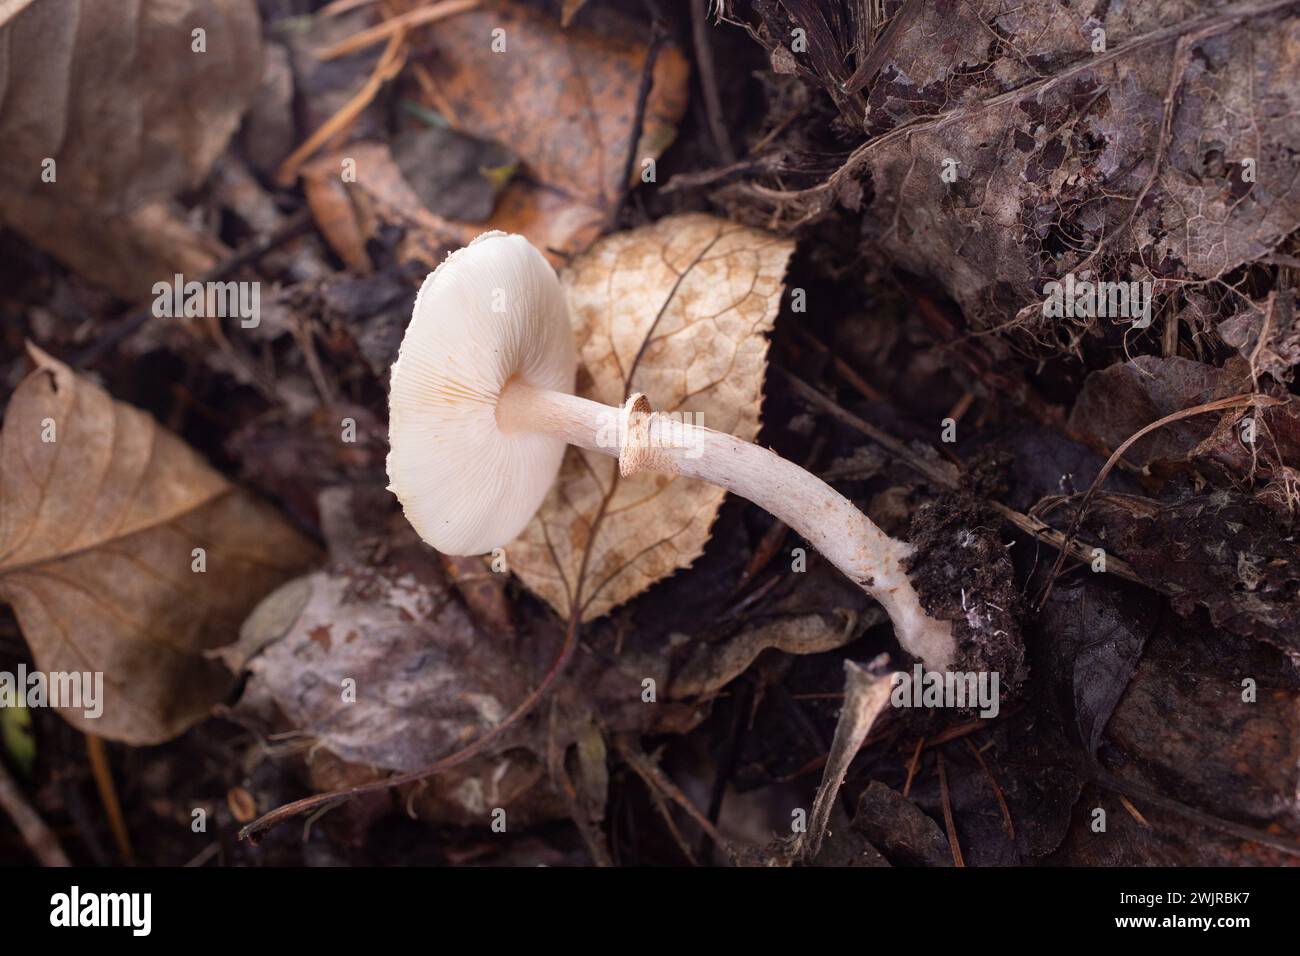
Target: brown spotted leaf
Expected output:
[101,511]
[679,310]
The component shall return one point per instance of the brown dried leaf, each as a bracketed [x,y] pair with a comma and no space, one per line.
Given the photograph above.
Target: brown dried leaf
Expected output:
[678,310]
[97,529]
[711,667]
[1139,141]
[130,115]
[584,84]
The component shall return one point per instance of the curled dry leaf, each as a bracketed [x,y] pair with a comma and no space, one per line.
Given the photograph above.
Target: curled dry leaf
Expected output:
[678,310]
[130,115]
[711,667]
[866,692]
[100,513]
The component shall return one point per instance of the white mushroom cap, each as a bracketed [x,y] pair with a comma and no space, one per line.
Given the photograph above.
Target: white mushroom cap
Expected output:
[492,312]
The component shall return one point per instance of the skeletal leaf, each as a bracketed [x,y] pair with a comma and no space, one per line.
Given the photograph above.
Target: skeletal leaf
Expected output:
[123,552]
[678,310]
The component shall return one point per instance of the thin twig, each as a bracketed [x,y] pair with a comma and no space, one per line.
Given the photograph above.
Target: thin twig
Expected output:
[398,24]
[913,765]
[657,38]
[39,837]
[997,790]
[947,814]
[649,771]
[1223,404]
[103,774]
[709,80]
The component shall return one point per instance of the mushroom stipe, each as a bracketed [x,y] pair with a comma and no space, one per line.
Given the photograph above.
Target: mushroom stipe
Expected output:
[481,409]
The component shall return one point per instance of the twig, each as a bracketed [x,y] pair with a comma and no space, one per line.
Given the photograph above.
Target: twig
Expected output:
[946,476]
[1235,401]
[389,65]
[103,774]
[657,37]
[997,791]
[398,24]
[649,771]
[709,80]
[39,837]
[913,765]
[947,814]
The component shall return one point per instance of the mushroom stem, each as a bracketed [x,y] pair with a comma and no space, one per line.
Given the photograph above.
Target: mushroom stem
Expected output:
[651,441]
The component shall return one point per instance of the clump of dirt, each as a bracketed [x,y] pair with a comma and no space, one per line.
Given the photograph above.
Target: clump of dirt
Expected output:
[962,574]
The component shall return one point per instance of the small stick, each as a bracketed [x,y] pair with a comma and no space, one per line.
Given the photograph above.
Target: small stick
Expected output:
[913,765]
[103,774]
[709,81]
[648,771]
[1235,401]
[39,837]
[382,31]
[947,813]
[997,791]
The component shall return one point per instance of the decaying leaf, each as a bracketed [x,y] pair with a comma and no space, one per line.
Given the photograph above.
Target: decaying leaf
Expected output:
[866,692]
[899,828]
[1223,551]
[679,310]
[1118,401]
[712,666]
[1009,145]
[101,513]
[422,681]
[106,110]
[584,84]
[570,174]
[349,213]
[374,659]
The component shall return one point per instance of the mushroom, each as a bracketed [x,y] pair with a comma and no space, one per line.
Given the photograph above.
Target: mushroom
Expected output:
[481,408]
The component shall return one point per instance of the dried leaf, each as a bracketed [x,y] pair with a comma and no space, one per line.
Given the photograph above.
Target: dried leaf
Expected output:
[1224,551]
[866,692]
[712,666]
[899,828]
[128,112]
[571,167]
[97,532]
[584,84]
[1118,401]
[678,310]
[1096,630]
[1010,145]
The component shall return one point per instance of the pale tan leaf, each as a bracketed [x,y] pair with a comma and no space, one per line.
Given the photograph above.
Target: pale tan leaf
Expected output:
[679,310]
[97,533]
